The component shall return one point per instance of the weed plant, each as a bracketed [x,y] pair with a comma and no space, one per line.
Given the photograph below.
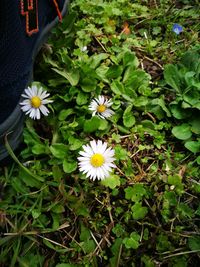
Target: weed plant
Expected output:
[147,212]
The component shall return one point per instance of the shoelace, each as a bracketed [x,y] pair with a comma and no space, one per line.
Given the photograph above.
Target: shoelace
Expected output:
[57,10]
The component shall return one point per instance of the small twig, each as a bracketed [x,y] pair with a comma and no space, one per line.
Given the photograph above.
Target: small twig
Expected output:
[100,44]
[98,244]
[54,242]
[181,253]
[151,60]
[153,119]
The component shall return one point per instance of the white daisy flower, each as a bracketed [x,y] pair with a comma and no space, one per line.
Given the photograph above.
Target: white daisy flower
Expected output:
[35,101]
[96,160]
[101,106]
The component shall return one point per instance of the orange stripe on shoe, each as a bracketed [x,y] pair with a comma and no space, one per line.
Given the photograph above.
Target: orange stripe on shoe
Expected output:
[58,10]
[29,8]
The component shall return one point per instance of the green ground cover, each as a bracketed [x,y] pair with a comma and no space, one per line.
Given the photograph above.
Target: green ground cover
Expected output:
[147,212]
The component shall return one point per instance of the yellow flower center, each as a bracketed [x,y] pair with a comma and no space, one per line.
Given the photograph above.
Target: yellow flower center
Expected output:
[97,160]
[101,108]
[36,102]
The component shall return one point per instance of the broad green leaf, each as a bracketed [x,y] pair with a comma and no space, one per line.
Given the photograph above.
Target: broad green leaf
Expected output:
[39,149]
[192,97]
[82,98]
[172,77]
[65,113]
[128,117]
[69,166]
[178,112]
[182,132]
[140,101]
[92,124]
[88,84]
[74,143]
[160,102]
[72,76]
[114,72]
[130,59]
[193,146]
[117,87]
[134,78]
[59,150]
[95,60]
[195,124]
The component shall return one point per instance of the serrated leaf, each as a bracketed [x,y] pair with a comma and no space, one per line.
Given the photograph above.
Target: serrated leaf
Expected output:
[132,241]
[112,181]
[135,192]
[138,211]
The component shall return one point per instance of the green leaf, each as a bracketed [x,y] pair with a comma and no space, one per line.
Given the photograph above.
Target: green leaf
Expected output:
[57,173]
[178,112]
[172,77]
[72,76]
[88,84]
[67,265]
[117,87]
[139,212]
[195,124]
[82,98]
[58,208]
[194,243]
[140,101]
[132,241]
[193,146]
[135,193]
[59,150]
[92,125]
[174,180]
[120,153]
[112,181]
[182,132]
[128,117]
[130,59]
[114,72]
[74,143]
[160,102]
[116,251]
[95,60]
[69,166]
[65,113]
[39,149]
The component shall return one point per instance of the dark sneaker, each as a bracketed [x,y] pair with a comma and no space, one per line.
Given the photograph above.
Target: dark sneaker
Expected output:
[24,27]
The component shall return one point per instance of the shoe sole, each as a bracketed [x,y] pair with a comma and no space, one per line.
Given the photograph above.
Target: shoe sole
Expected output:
[12,127]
